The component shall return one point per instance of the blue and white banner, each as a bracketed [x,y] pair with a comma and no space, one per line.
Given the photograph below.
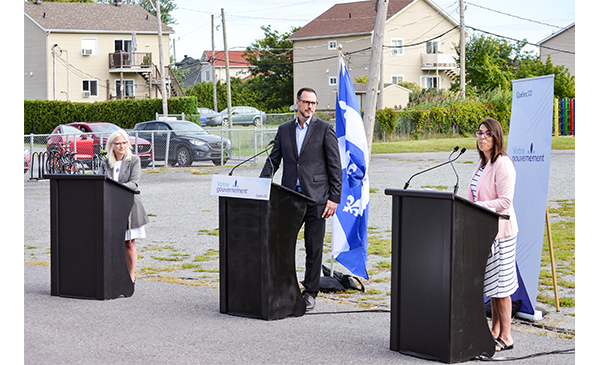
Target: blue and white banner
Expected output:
[530,147]
[349,227]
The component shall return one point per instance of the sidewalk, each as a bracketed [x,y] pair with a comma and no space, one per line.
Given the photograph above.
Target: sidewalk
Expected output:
[181,324]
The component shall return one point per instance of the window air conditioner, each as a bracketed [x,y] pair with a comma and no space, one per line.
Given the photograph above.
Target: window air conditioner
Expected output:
[85,94]
[86,52]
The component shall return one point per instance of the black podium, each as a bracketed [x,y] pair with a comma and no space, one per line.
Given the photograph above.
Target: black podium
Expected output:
[88,220]
[440,245]
[257,255]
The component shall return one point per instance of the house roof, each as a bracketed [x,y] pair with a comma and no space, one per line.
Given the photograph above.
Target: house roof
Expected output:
[352,19]
[362,88]
[90,17]
[346,19]
[572,25]
[235,58]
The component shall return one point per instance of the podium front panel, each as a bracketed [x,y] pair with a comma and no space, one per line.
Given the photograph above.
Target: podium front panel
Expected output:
[257,241]
[245,242]
[440,244]
[424,286]
[88,220]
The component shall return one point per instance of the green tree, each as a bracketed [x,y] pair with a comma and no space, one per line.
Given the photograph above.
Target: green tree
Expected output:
[564,82]
[491,62]
[272,69]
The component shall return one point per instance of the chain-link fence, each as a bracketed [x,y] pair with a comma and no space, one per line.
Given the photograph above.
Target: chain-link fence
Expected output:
[156,148]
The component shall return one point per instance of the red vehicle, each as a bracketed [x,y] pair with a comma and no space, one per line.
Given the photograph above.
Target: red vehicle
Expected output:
[26,159]
[97,131]
[74,139]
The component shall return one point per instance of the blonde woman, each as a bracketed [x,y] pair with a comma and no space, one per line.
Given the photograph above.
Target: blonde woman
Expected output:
[123,166]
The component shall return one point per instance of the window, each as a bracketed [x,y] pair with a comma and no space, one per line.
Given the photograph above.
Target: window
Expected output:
[396,47]
[432,47]
[127,88]
[123,45]
[429,82]
[332,45]
[332,81]
[89,88]
[89,46]
[396,79]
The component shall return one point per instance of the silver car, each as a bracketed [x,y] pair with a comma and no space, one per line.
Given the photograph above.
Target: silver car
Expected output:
[243,115]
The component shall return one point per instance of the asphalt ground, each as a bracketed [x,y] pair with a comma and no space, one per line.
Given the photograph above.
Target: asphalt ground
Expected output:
[167,322]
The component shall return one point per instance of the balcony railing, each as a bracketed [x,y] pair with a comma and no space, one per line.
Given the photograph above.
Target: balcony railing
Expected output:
[130,60]
[438,61]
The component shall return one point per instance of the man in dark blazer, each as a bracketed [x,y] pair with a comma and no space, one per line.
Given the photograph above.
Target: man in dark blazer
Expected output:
[311,166]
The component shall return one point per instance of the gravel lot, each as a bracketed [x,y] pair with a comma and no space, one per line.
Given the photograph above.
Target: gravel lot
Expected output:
[182,243]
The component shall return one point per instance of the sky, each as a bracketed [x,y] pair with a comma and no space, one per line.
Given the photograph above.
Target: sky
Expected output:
[518,19]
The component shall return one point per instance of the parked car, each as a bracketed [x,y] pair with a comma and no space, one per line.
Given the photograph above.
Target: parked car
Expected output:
[74,139]
[205,113]
[244,115]
[97,130]
[187,142]
[26,159]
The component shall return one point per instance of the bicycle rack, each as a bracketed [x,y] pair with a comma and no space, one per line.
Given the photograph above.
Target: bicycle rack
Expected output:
[41,158]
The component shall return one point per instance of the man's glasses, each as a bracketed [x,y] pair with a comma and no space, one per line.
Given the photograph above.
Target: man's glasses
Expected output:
[487,134]
[311,103]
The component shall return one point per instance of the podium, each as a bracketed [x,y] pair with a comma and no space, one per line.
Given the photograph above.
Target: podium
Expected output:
[88,220]
[440,245]
[257,255]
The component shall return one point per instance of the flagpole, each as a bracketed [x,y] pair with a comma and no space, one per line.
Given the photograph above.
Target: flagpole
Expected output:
[337,95]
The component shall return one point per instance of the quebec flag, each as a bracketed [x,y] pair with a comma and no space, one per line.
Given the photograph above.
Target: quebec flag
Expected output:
[349,225]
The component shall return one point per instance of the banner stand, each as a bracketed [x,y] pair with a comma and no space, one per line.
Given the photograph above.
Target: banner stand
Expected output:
[551,252]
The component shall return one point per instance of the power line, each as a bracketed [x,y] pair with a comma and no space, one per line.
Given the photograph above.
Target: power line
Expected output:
[517,40]
[514,16]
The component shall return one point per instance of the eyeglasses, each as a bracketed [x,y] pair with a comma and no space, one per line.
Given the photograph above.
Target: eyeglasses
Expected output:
[486,134]
[311,103]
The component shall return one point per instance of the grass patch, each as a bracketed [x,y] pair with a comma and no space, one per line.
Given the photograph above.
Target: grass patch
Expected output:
[386,265]
[563,242]
[172,257]
[209,255]
[447,144]
[200,172]
[439,187]
[157,248]
[210,232]
[380,246]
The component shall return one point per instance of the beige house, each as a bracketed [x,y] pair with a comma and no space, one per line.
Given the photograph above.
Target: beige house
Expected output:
[90,52]
[419,42]
[560,46]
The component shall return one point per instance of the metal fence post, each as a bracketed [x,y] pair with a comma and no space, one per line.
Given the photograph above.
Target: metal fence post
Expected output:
[167,149]
[255,146]
[153,150]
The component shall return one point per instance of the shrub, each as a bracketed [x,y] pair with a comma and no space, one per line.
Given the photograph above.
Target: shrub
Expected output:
[42,116]
[388,119]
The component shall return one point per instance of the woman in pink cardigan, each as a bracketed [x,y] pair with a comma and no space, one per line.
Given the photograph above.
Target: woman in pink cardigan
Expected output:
[492,187]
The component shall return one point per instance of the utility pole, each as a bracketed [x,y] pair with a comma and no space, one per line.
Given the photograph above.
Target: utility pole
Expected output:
[227,70]
[214,68]
[161,63]
[374,71]
[174,54]
[462,49]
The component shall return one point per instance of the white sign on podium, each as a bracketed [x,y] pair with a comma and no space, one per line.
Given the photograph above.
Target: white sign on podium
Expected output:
[257,188]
